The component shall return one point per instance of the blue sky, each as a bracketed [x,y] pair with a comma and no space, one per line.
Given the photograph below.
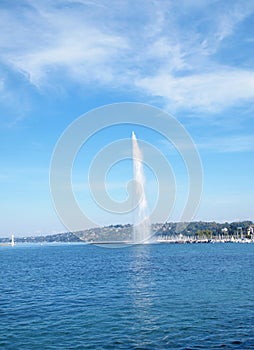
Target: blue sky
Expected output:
[60,59]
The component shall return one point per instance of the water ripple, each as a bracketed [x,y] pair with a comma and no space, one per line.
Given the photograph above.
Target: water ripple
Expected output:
[144,297]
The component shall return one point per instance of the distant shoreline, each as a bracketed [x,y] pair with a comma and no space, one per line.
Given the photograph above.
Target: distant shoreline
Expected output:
[169,232]
[119,243]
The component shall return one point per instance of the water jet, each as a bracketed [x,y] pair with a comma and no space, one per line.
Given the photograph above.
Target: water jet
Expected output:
[141,224]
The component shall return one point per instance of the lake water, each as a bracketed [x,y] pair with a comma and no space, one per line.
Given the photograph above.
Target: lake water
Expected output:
[198,296]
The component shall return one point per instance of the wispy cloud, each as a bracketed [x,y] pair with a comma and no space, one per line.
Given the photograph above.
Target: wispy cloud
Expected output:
[51,39]
[210,91]
[166,49]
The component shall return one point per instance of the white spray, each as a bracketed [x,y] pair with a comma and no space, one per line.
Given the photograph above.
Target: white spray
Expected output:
[141,231]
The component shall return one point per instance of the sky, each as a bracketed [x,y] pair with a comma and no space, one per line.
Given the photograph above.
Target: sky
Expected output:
[61,59]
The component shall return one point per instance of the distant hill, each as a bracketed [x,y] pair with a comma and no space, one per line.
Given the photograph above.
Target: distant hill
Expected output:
[124,232]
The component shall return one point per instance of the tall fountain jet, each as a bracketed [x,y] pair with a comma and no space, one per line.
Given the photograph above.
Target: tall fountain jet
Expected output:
[142,226]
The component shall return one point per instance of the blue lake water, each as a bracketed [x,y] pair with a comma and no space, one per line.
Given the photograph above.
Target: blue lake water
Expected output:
[198,296]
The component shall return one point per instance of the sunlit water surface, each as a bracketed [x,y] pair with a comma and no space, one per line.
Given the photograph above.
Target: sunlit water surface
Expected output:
[198,296]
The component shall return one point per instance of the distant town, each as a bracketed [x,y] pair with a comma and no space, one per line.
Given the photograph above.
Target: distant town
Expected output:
[170,232]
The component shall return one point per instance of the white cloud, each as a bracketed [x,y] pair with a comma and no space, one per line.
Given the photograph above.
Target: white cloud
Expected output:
[208,92]
[165,49]
[227,22]
[51,38]
[82,58]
